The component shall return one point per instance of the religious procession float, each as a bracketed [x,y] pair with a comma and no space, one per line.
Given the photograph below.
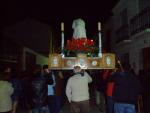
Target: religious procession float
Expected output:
[81,51]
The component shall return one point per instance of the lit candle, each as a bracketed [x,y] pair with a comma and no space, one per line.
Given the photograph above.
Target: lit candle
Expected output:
[99,26]
[62,26]
[100,45]
[100,42]
[62,41]
[62,36]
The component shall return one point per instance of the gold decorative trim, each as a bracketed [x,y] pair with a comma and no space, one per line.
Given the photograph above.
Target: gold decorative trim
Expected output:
[55,61]
[106,62]
[69,62]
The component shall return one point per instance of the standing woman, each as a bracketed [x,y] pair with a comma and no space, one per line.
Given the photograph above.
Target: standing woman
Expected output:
[6,90]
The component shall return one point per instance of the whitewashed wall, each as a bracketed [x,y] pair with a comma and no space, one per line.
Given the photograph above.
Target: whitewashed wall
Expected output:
[138,41]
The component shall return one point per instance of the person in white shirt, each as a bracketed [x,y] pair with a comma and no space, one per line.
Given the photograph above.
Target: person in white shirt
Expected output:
[77,91]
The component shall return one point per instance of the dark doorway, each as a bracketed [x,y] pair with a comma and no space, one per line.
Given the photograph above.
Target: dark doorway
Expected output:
[146,56]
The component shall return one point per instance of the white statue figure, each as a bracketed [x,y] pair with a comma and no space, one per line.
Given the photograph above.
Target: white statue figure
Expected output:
[79,29]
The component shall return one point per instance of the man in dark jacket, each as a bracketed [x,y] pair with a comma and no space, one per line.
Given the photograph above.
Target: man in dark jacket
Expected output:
[39,90]
[126,91]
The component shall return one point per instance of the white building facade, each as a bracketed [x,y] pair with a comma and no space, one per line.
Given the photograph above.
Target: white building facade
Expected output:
[129,32]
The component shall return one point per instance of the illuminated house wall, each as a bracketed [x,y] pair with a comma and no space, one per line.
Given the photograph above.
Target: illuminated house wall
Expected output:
[129,31]
[36,59]
[18,56]
[42,60]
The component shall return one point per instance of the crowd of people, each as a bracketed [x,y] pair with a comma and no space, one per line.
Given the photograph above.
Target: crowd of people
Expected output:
[45,91]
[122,91]
[37,92]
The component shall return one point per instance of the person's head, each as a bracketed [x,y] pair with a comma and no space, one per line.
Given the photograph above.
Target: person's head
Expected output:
[7,70]
[4,76]
[46,69]
[77,69]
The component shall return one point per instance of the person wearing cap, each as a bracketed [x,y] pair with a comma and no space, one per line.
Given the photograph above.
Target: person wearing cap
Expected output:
[77,91]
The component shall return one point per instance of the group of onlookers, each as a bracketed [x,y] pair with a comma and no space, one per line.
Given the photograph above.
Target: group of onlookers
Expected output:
[123,91]
[43,91]
[39,92]
[46,90]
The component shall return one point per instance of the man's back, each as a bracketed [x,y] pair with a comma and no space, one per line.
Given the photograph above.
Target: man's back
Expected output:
[77,91]
[127,88]
[78,85]
[39,89]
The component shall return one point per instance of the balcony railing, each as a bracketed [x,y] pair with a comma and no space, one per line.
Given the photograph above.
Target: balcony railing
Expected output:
[140,22]
[122,33]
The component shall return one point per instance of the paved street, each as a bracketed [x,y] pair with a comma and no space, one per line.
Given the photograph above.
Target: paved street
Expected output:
[65,109]
[94,109]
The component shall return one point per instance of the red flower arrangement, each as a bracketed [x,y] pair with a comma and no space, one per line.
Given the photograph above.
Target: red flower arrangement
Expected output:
[83,45]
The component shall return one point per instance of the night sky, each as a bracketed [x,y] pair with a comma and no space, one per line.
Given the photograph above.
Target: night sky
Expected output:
[57,11]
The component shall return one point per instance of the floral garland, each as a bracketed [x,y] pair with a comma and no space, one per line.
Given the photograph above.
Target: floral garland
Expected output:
[80,45]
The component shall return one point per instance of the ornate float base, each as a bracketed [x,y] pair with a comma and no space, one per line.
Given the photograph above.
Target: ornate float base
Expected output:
[107,61]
